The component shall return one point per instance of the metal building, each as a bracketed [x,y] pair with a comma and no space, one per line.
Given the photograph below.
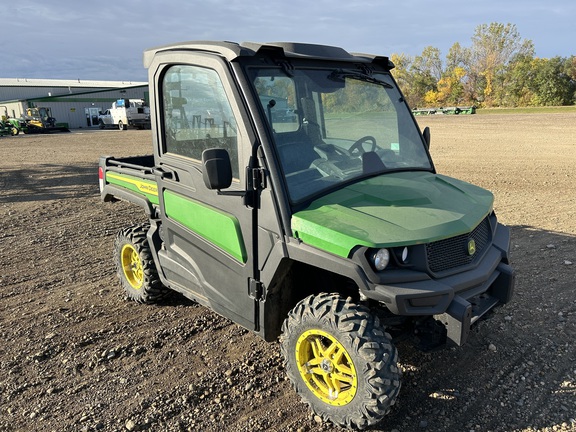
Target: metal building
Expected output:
[75,103]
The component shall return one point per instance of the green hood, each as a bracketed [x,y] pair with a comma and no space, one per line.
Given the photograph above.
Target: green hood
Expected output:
[397,209]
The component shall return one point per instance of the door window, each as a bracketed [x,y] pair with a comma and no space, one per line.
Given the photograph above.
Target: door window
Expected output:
[197,114]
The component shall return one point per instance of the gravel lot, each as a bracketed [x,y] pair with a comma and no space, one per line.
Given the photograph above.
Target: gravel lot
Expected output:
[76,356]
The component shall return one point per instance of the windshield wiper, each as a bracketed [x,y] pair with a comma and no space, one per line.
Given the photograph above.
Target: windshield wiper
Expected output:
[339,75]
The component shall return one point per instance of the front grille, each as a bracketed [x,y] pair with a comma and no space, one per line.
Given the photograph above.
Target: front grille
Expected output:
[450,253]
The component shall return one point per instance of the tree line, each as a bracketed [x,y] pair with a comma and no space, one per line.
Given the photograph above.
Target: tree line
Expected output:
[499,69]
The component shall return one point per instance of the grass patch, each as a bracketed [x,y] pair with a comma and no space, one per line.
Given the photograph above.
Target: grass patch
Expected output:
[528,110]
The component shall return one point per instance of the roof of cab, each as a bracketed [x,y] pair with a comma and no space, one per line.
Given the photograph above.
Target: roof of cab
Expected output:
[233,50]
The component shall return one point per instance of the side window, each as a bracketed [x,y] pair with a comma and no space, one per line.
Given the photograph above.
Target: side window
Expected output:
[197,114]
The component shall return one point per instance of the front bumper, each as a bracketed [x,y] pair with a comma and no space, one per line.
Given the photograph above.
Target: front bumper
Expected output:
[465,311]
[457,300]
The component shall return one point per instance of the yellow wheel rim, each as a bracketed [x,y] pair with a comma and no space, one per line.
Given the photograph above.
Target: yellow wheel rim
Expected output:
[326,367]
[132,266]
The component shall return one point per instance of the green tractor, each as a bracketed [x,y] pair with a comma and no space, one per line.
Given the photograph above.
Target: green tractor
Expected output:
[7,128]
[17,123]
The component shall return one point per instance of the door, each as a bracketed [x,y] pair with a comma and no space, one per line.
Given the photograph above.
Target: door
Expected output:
[92,116]
[208,237]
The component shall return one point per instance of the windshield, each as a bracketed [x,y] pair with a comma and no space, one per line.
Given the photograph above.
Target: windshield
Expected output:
[335,126]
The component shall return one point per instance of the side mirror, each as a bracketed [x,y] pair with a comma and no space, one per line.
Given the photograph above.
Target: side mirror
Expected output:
[426,135]
[217,172]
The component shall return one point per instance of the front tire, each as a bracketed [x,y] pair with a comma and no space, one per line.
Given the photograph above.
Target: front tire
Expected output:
[340,360]
[135,266]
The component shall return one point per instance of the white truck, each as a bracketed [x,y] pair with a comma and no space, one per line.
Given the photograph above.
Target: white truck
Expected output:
[124,113]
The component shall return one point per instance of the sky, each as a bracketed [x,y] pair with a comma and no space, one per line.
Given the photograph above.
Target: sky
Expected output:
[74,39]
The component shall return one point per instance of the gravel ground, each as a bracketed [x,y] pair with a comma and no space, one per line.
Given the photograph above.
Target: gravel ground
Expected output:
[76,356]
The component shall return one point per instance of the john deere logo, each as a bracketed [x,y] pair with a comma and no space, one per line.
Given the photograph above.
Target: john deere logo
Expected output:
[471,247]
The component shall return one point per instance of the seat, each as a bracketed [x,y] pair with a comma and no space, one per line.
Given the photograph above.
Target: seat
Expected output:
[371,163]
[296,154]
[297,149]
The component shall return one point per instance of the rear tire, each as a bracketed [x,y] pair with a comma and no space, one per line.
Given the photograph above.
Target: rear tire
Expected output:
[340,360]
[135,266]
[121,125]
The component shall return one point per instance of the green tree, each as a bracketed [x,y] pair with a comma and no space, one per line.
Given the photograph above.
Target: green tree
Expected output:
[494,46]
[571,67]
[552,82]
[403,76]
[570,70]
[428,63]
[499,69]
[457,77]
[425,72]
[450,89]
[457,56]
[518,82]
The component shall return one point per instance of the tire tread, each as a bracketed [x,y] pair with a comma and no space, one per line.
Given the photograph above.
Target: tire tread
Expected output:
[363,333]
[152,290]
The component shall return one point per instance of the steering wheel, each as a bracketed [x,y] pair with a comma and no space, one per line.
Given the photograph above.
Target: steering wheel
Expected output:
[357,146]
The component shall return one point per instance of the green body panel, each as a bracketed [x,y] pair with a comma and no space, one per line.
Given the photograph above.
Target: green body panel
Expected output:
[144,187]
[396,209]
[215,226]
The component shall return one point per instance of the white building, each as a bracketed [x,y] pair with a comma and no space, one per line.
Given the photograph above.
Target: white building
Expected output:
[76,103]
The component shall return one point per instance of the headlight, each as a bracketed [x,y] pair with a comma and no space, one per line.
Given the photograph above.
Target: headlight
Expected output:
[380,259]
[402,255]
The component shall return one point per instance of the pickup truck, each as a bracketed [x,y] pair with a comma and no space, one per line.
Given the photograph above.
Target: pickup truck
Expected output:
[291,190]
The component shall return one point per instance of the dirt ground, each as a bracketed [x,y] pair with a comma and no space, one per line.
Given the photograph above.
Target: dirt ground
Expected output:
[76,356]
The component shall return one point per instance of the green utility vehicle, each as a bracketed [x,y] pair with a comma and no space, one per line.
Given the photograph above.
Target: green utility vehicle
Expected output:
[291,191]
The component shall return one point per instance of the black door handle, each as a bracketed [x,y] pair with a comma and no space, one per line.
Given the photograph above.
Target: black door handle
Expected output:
[166,174]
